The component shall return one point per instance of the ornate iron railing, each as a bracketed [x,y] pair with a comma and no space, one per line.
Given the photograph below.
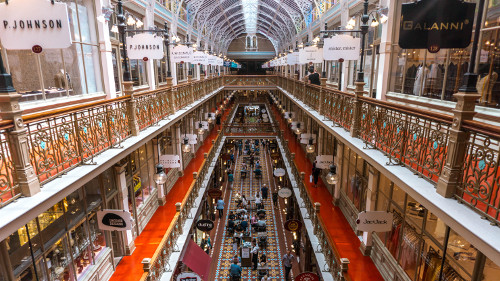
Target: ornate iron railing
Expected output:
[257,129]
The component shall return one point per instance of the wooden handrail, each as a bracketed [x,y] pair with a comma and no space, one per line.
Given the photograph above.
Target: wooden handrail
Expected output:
[487,129]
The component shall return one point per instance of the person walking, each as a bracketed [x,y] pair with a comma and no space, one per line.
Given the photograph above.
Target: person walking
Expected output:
[255,255]
[235,270]
[264,190]
[230,179]
[220,207]
[287,262]
[258,201]
[316,173]
[275,198]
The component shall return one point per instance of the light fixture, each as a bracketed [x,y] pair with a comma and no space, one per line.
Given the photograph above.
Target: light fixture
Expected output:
[374,23]
[139,24]
[186,147]
[289,120]
[331,178]
[310,147]
[130,20]
[160,177]
[201,131]
[298,130]
[114,28]
[352,22]
[210,118]
[383,18]
[349,27]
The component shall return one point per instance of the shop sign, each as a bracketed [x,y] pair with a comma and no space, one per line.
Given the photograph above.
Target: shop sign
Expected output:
[199,58]
[145,45]
[170,161]
[275,155]
[324,161]
[114,220]
[188,276]
[293,125]
[304,138]
[285,192]
[137,183]
[310,55]
[204,125]
[435,25]
[341,47]
[307,276]
[234,65]
[181,54]
[279,172]
[293,225]
[227,63]
[192,138]
[205,225]
[214,193]
[377,221]
[245,253]
[290,114]
[292,58]
[27,23]
[212,60]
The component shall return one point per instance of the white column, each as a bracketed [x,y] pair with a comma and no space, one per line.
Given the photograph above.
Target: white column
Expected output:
[339,161]
[159,187]
[386,39]
[179,140]
[121,181]
[371,197]
[150,70]
[105,52]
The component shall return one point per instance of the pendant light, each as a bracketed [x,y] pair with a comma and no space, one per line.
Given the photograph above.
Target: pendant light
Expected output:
[298,130]
[310,147]
[331,178]
[160,177]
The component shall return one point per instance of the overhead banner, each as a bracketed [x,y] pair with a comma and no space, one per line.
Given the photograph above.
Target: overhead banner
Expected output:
[114,220]
[200,58]
[170,161]
[341,47]
[197,260]
[434,25]
[324,161]
[145,45]
[234,65]
[30,24]
[377,221]
[181,54]
[310,55]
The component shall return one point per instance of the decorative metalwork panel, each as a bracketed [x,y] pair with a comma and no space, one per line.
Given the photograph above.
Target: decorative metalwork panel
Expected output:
[479,187]
[9,189]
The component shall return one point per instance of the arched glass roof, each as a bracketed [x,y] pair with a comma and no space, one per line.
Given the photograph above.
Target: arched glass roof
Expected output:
[222,21]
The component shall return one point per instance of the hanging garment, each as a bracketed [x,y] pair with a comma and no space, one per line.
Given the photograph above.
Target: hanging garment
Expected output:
[421,75]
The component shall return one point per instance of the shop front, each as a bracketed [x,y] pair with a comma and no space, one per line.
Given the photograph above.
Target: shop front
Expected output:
[65,240]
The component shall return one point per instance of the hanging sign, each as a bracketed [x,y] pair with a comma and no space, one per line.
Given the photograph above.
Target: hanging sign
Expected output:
[310,55]
[290,114]
[292,58]
[199,58]
[205,225]
[114,220]
[188,276]
[285,192]
[214,193]
[434,25]
[341,47]
[212,60]
[377,221]
[307,276]
[304,138]
[279,172]
[27,23]
[324,161]
[192,138]
[181,53]
[294,125]
[145,45]
[204,125]
[293,225]
[170,161]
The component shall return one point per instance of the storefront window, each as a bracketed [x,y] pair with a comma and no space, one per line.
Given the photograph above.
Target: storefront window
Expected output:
[74,208]
[59,261]
[141,165]
[61,72]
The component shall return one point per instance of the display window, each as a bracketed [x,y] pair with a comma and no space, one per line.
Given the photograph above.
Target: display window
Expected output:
[417,239]
[66,72]
[141,184]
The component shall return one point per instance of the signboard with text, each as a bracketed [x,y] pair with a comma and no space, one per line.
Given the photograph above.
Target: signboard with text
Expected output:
[181,53]
[304,138]
[145,45]
[307,276]
[205,225]
[310,54]
[188,276]
[170,161]
[435,25]
[293,225]
[28,23]
[377,221]
[324,161]
[199,58]
[114,220]
[341,47]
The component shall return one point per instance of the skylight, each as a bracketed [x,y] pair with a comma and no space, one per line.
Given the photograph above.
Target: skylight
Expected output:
[250,14]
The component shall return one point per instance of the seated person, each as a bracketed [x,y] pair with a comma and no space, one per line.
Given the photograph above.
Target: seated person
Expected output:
[230,223]
[261,213]
[239,228]
[231,216]
[261,225]
[263,259]
[258,172]
[241,211]
[235,269]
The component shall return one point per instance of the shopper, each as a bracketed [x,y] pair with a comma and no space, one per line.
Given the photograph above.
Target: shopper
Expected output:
[230,179]
[275,198]
[313,76]
[316,173]
[235,270]
[258,202]
[264,190]
[255,255]
[287,262]
[220,207]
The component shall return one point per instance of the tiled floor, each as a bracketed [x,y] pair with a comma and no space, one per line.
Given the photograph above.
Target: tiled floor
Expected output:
[361,268]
